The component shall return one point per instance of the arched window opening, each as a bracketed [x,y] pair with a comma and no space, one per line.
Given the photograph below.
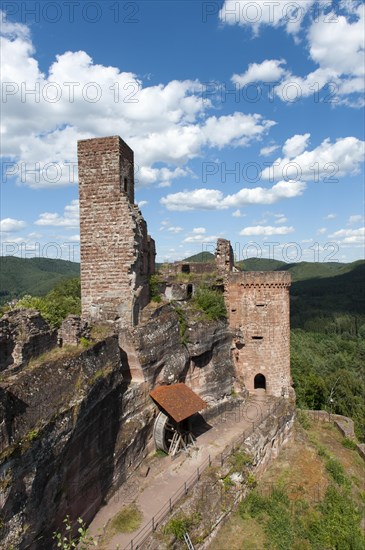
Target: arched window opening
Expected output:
[259,382]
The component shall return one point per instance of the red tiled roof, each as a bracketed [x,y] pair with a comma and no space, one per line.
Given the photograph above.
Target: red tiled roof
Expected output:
[178,400]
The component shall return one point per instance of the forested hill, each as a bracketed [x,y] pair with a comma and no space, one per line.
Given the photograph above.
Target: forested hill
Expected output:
[318,299]
[321,284]
[35,276]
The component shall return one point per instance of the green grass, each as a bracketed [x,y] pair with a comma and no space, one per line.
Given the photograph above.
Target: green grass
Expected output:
[161,453]
[127,520]
[179,525]
[333,523]
[211,303]
[239,460]
[349,444]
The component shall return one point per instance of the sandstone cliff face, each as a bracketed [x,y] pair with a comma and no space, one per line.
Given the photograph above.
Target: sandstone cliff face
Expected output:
[71,430]
[176,347]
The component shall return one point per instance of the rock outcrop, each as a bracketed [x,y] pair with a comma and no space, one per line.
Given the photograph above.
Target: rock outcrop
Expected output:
[23,335]
[72,429]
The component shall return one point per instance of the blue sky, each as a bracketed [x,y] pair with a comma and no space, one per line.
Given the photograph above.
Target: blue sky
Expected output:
[246,119]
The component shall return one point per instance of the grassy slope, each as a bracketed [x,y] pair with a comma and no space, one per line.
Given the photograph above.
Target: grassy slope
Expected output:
[301,470]
[36,276]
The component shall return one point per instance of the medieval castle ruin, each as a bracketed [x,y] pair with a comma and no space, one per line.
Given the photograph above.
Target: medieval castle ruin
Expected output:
[118,256]
[76,421]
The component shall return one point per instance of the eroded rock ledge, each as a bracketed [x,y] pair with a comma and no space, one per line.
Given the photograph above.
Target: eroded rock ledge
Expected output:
[74,427]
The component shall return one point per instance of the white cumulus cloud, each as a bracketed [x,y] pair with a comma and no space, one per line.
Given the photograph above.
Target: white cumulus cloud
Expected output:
[270,70]
[77,98]
[257,14]
[356,218]
[10,225]
[327,162]
[296,145]
[214,199]
[266,151]
[349,236]
[175,229]
[266,230]
[69,219]
[336,45]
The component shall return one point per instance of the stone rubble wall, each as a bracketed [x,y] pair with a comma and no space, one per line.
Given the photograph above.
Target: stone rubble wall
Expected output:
[24,335]
[224,257]
[72,330]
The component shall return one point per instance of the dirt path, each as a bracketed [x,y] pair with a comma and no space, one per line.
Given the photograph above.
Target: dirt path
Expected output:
[168,474]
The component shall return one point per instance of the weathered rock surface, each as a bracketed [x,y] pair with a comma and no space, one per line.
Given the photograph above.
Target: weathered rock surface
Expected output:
[24,334]
[72,429]
[72,330]
[174,347]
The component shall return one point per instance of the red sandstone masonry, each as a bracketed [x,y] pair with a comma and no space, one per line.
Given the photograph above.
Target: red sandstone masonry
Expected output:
[224,257]
[258,312]
[117,255]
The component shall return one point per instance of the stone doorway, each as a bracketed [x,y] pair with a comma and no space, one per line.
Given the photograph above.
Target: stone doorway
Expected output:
[259,382]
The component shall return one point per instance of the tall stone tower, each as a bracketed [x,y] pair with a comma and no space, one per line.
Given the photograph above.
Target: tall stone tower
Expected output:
[117,255]
[258,312]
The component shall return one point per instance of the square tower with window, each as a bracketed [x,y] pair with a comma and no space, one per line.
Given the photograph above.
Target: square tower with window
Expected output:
[258,308]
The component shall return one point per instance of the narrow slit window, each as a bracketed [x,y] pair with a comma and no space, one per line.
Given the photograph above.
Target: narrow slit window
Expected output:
[257,337]
[125,184]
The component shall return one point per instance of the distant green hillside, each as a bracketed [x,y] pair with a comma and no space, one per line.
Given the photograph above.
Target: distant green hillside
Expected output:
[260,264]
[35,276]
[200,257]
[317,301]
[324,296]
[299,271]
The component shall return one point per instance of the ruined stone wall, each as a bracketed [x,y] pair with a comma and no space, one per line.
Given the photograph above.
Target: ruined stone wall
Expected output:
[258,311]
[171,270]
[24,335]
[224,257]
[117,256]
